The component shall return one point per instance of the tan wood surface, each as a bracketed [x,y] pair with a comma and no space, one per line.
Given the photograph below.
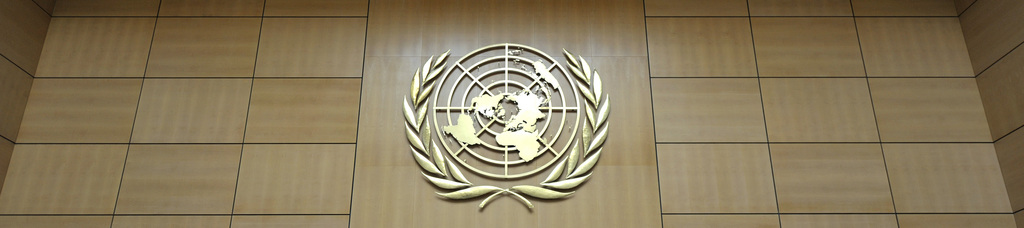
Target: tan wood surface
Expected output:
[303,111]
[14,88]
[831,178]
[988,29]
[716,178]
[839,221]
[1000,88]
[40,177]
[904,8]
[708,110]
[172,221]
[929,110]
[192,111]
[913,47]
[807,47]
[107,8]
[311,47]
[96,47]
[818,110]
[197,47]
[295,179]
[81,111]
[179,179]
[957,221]
[931,178]
[800,8]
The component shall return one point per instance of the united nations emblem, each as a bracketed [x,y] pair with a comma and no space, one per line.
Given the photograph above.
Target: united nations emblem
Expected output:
[506,112]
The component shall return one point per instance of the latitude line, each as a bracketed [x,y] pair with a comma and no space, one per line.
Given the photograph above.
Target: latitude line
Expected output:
[475,79]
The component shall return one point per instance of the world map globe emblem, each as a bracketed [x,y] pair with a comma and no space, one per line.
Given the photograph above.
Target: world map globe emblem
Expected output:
[506,111]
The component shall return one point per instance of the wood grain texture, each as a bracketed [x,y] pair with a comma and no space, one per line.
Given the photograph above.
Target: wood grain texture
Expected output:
[708,110]
[96,47]
[957,221]
[716,178]
[931,178]
[990,30]
[196,47]
[807,47]
[24,27]
[831,178]
[295,179]
[107,8]
[818,110]
[211,8]
[81,111]
[839,221]
[1010,151]
[55,221]
[962,5]
[685,47]
[303,110]
[800,8]
[192,111]
[1019,216]
[904,8]
[179,179]
[172,221]
[1002,93]
[311,47]
[6,151]
[63,179]
[711,221]
[929,110]
[913,47]
[316,7]
[14,90]
[696,8]
[317,221]
[47,5]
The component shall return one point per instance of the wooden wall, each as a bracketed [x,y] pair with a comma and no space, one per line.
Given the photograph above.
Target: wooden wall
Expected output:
[274,113]
[23,25]
[992,30]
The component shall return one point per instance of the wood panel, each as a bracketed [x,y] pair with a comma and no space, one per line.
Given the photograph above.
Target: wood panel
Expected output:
[1019,216]
[192,111]
[107,8]
[81,111]
[940,178]
[6,151]
[839,221]
[818,110]
[295,179]
[957,221]
[913,47]
[24,27]
[211,8]
[904,8]
[311,47]
[303,110]
[96,47]
[179,179]
[929,110]
[710,221]
[800,8]
[47,5]
[14,90]
[708,110]
[63,179]
[991,30]
[695,47]
[695,8]
[831,178]
[962,5]
[55,221]
[197,47]
[1010,151]
[1002,93]
[172,221]
[318,221]
[807,47]
[316,8]
[716,178]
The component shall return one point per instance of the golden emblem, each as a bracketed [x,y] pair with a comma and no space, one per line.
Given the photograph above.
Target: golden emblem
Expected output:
[505,112]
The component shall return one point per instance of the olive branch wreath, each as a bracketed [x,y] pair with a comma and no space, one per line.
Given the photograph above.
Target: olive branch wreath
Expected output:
[567,174]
